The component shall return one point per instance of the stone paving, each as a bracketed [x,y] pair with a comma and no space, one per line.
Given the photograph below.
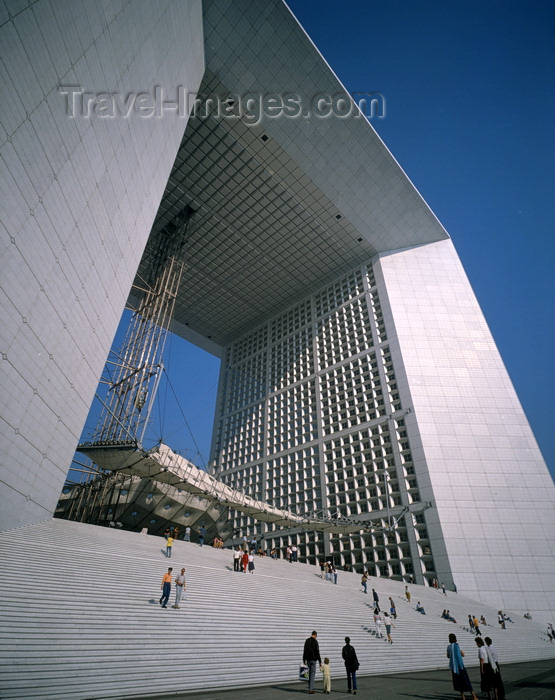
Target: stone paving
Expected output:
[533,680]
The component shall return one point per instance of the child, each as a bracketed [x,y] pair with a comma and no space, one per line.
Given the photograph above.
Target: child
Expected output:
[327,678]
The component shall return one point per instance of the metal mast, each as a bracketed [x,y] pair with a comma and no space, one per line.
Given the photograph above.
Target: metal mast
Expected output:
[133,373]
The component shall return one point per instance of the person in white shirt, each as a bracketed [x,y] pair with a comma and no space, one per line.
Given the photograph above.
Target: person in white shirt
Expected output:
[486,671]
[378,623]
[179,588]
[498,687]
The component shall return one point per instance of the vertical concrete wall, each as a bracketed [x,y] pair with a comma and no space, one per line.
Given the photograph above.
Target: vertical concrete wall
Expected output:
[475,455]
[80,185]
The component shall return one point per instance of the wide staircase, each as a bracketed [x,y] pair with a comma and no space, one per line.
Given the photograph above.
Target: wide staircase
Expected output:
[80,618]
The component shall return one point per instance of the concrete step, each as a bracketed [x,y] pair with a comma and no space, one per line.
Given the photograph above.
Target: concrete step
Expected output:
[80,618]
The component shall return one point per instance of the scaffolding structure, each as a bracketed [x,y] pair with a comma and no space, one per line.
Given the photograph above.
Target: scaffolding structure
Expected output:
[133,374]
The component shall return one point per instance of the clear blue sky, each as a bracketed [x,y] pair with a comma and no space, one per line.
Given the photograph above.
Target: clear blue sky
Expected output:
[470,97]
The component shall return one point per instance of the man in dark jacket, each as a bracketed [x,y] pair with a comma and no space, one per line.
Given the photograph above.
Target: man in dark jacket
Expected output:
[311,657]
[351,665]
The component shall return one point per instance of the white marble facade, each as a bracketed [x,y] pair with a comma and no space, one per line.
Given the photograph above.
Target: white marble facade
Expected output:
[78,195]
[475,455]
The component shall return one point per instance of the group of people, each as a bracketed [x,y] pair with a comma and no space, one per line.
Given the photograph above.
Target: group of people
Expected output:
[170,535]
[243,560]
[437,586]
[490,674]
[217,543]
[166,588]
[384,617]
[328,571]
[311,657]
[292,553]
[502,618]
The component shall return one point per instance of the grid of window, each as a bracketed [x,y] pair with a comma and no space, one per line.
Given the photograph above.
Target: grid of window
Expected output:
[291,360]
[246,383]
[370,278]
[247,480]
[393,391]
[243,437]
[338,293]
[367,461]
[344,333]
[292,418]
[360,471]
[381,553]
[291,321]
[378,315]
[249,344]
[363,476]
[351,394]
[310,544]
[293,481]
[406,461]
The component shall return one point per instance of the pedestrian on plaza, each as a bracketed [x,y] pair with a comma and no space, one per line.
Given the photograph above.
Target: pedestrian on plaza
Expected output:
[311,657]
[327,675]
[364,581]
[487,679]
[388,625]
[169,544]
[334,573]
[378,623]
[498,687]
[443,588]
[201,533]
[179,588]
[501,619]
[187,537]
[167,533]
[351,665]
[166,588]
[376,599]
[407,593]
[251,563]
[471,623]
[459,674]
[237,554]
[476,625]
[245,561]
[392,608]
